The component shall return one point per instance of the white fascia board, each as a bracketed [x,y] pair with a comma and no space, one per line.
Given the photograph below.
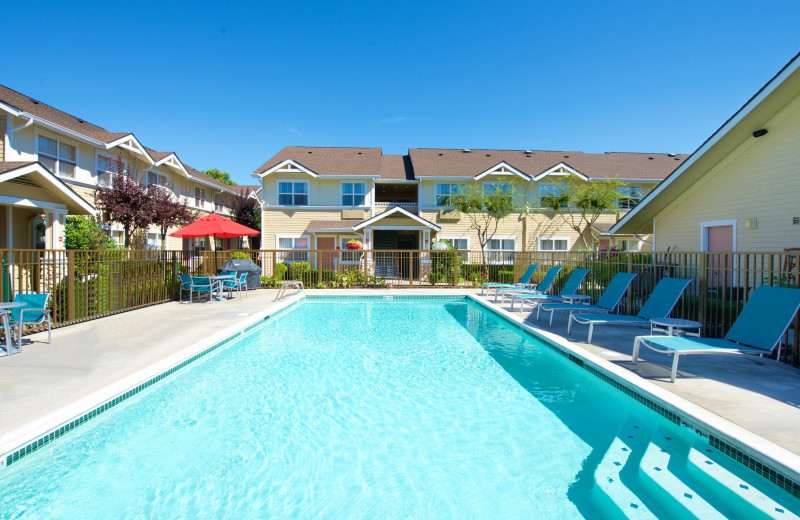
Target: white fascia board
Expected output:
[444,178]
[129,142]
[282,165]
[559,166]
[53,181]
[756,100]
[173,162]
[11,110]
[378,180]
[209,184]
[329,230]
[403,213]
[58,128]
[502,164]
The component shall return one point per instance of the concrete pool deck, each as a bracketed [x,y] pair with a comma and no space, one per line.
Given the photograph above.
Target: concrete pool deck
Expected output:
[87,362]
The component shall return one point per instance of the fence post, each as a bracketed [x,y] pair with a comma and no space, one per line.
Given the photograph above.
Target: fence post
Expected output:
[70,285]
[174,273]
[410,269]
[629,304]
[319,268]
[455,270]
[702,284]
[274,264]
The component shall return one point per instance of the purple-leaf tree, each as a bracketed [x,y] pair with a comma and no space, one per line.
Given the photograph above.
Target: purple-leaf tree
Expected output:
[125,200]
[168,211]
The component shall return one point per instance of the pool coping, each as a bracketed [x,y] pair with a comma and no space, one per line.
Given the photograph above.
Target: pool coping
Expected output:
[771,461]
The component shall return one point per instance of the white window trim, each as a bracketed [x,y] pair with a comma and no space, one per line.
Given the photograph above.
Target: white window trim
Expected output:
[459,237]
[715,223]
[350,252]
[203,201]
[486,184]
[501,251]
[436,194]
[278,193]
[553,238]
[59,139]
[111,158]
[342,194]
[293,237]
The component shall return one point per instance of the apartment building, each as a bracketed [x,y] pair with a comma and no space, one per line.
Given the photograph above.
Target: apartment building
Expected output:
[52,162]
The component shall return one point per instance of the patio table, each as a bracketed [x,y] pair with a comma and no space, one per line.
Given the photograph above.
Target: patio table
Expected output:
[218,279]
[4,308]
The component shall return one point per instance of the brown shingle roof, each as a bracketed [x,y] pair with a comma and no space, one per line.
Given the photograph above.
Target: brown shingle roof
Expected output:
[332,161]
[197,174]
[332,224]
[8,166]
[431,162]
[37,108]
[157,156]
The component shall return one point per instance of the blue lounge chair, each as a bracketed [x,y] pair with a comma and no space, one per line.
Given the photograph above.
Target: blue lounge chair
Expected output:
[757,330]
[541,288]
[524,281]
[570,287]
[606,304]
[660,303]
[35,312]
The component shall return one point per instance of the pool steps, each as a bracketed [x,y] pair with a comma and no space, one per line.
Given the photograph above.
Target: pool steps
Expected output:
[709,465]
[676,477]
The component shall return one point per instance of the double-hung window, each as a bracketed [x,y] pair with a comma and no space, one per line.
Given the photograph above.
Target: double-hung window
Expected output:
[156,179]
[460,243]
[298,243]
[501,250]
[219,202]
[628,196]
[199,197]
[553,244]
[293,193]
[106,168]
[445,192]
[58,157]
[153,240]
[352,256]
[549,193]
[354,193]
[492,186]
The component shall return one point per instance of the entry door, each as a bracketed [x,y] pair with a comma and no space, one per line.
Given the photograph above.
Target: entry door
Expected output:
[719,239]
[326,259]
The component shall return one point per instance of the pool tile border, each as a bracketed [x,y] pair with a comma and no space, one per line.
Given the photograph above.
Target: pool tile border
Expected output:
[761,468]
[55,433]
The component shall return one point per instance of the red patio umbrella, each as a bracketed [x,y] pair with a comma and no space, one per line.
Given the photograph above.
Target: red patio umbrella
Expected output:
[214,225]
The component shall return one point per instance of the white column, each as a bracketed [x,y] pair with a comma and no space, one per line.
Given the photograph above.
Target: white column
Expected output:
[10,226]
[59,230]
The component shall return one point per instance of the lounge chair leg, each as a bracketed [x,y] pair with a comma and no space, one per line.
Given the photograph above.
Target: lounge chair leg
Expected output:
[635,355]
[569,324]
[49,331]
[552,313]
[537,312]
[675,358]
[591,330]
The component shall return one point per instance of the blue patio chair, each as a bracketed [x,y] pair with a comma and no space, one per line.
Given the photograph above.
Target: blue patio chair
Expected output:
[606,304]
[660,303]
[540,288]
[570,287]
[201,284]
[35,312]
[237,284]
[758,329]
[186,285]
[524,280]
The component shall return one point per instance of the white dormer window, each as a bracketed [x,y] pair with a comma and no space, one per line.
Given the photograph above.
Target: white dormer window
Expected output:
[491,186]
[106,169]
[628,196]
[58,157]
[445,192]
[293,193]
[156,179]
[219,202]
[199,197]
[550,190]
[354,193]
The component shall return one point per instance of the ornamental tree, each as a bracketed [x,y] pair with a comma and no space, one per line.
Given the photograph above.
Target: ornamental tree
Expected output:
[221,176]
[580,203]
[485,208]
[125,201]
[167,211]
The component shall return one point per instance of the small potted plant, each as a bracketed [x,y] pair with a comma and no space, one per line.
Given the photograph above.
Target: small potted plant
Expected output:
[355,244]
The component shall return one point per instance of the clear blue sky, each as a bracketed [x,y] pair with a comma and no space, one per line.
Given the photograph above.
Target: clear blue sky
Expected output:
[227,86]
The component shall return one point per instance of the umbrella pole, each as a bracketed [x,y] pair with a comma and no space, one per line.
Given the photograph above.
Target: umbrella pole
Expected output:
[214,237]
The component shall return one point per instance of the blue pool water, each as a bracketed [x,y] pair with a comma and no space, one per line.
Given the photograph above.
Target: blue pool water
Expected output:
[402,409]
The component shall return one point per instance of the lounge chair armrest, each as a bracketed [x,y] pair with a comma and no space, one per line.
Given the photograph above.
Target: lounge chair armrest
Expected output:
[28,309]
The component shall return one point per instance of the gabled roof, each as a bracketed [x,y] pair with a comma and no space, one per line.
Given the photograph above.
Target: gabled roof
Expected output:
[435,162]
[74,202]
[328,161]
[737,130]
[394,211]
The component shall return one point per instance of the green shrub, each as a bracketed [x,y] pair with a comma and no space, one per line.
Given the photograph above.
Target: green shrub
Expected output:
[240,255]
[297,269]
[280,271]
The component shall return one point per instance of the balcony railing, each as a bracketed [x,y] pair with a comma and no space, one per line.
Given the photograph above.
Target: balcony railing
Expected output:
[396,205]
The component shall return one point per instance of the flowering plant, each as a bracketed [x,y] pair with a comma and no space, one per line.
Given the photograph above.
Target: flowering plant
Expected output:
[354,244]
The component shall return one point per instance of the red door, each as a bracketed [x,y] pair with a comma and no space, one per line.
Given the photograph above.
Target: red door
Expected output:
[326,256]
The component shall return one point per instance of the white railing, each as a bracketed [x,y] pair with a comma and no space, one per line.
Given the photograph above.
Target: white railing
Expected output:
[395,204]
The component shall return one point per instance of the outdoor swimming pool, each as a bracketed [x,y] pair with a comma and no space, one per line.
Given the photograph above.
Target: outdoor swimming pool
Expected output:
[408,408]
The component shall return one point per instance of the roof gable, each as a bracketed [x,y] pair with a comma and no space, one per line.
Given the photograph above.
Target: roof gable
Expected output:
[288,166]
[503,168]
[13,170]
[561,170]
[394,211]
